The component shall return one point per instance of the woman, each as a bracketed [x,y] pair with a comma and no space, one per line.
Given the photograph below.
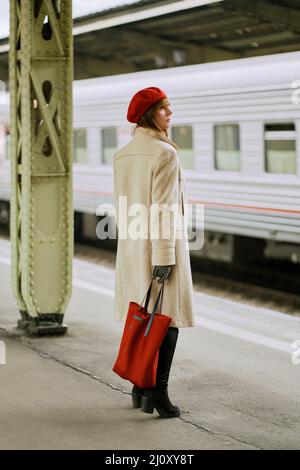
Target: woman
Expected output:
[147,172]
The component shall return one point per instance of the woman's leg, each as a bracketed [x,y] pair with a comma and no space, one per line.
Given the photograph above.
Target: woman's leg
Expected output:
[165,358]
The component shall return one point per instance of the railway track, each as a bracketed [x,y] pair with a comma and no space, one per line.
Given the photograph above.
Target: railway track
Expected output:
[273,285]
[263,286]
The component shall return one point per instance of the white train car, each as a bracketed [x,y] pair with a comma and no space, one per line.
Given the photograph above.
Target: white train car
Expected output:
[237,123]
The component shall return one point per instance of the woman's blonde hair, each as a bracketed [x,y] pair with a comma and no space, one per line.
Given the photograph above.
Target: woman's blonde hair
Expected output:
[147,120]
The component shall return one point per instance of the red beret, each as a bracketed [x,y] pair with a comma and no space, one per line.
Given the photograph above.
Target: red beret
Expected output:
[142,101]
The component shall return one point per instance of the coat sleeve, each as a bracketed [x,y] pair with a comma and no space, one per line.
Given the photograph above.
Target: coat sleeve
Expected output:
[164,196]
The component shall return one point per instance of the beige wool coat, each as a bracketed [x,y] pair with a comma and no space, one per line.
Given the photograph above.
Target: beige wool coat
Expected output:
[148,171]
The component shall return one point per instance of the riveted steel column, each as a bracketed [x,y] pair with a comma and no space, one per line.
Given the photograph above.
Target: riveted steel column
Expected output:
[41,73]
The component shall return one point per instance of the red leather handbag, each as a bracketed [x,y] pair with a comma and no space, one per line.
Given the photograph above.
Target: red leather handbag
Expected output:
[142,336]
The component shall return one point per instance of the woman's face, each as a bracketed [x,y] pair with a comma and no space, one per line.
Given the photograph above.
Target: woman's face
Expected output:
[163,117]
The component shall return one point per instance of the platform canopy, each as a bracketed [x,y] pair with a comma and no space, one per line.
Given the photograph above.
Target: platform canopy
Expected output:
[151,34]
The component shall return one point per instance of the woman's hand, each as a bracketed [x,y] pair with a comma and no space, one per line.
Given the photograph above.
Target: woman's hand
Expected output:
[162,272]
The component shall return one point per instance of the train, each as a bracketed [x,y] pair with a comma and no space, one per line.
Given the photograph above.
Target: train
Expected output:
[237,124]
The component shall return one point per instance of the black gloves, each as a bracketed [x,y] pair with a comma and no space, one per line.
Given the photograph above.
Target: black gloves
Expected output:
[162,272]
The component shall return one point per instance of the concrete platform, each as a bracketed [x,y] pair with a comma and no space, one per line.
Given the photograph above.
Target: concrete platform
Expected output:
[232,377]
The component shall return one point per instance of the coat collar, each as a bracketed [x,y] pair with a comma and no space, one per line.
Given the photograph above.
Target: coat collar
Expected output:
[156,134]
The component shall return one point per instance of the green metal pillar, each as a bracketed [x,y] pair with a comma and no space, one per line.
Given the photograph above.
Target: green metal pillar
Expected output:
[41,74]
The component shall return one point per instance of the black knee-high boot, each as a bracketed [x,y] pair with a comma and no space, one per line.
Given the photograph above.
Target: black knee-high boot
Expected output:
[166,353]
[157,397]
[137,395]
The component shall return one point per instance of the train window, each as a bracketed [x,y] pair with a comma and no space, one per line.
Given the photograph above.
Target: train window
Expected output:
[183,136]
[227,147]
[109,144]
[80,146]
[280,148]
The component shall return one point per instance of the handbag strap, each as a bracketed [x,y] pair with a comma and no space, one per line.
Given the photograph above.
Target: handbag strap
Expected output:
[160,295]
[148,293]
[161,299]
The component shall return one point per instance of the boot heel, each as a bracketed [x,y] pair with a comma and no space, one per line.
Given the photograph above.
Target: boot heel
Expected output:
[147,405]
[136,400]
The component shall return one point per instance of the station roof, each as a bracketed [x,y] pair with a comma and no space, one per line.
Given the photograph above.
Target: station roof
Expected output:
[150,34]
